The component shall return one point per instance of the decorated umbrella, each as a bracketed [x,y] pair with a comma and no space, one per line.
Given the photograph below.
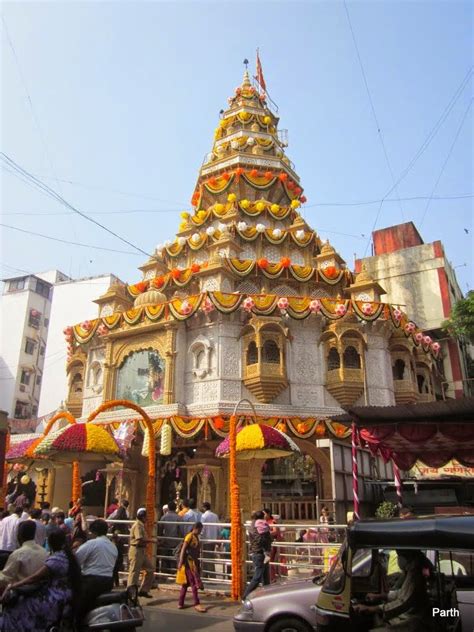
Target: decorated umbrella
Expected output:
[79,442]
[254,441]
[259,442]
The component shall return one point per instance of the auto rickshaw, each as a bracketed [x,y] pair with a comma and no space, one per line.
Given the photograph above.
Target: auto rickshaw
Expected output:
[369,588]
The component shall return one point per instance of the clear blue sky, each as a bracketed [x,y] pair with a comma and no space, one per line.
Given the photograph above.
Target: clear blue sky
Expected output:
[125,98]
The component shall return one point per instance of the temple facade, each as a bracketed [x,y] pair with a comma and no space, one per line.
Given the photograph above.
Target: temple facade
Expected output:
[247,302]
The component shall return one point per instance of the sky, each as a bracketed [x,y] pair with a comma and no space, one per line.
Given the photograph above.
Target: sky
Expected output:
[113,105]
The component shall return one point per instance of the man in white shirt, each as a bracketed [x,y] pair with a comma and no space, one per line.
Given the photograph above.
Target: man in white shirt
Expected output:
[97,558]
[26,560]
[8,535]
[209,532]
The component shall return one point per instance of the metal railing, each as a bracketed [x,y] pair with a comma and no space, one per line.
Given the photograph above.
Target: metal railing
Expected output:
[298,550]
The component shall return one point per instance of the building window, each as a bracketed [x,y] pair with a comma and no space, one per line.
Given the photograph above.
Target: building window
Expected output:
[351,358]
[398,370]
[271,352]
[141,378]
[25,377]
[38,380]
[34,410]
[22,410]
[76,384]
[252,353]
[42,288]
[42,350]
[34,319]
[334,361]
[29,346]
[16,285]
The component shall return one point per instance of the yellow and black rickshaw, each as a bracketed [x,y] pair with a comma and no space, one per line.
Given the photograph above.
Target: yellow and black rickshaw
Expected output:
[402,575]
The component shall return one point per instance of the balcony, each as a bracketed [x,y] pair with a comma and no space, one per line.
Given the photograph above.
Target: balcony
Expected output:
[346,385]
[406,392]
[265,380]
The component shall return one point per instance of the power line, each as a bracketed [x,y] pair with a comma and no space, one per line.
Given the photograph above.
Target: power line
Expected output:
[459,90]
[60,199]
[379,131]
[148,210]
[65,241]
[446,161]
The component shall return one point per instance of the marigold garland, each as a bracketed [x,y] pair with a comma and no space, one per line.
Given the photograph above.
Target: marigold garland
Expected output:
[235,522]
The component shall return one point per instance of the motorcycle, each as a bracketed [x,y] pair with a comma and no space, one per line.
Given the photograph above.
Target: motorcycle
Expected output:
[118,610]
[114,611]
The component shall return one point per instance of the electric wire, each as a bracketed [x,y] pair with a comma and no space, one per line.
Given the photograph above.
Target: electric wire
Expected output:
[64,202]
[379,130]
[461,124]
[66,241]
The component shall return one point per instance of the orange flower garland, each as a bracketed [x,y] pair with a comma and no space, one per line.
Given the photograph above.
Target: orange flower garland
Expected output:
[151,483]
[76,481]
[235,528]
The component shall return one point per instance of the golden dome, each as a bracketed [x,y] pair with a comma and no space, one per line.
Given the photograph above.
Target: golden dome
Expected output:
[150,297]
[327,249]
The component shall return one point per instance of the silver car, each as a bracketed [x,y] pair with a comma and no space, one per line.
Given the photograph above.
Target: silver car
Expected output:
[285,607]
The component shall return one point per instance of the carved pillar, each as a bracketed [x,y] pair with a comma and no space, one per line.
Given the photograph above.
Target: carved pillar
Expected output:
[109,386]
[168,394]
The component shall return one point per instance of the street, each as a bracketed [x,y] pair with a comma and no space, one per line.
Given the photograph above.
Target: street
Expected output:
[162,614]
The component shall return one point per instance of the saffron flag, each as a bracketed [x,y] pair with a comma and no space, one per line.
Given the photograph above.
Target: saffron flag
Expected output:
[259,77]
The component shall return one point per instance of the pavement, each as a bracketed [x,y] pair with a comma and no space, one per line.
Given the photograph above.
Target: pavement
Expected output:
[161,612]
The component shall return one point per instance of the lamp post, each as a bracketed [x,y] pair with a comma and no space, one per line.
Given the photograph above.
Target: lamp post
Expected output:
[234,494]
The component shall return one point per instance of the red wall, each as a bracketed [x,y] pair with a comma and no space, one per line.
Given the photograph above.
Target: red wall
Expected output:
[387,240]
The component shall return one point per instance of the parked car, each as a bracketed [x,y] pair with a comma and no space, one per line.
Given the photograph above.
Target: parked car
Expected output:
[285,607]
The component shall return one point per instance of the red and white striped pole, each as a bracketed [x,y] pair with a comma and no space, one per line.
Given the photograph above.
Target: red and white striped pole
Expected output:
[398,484]
[355,473]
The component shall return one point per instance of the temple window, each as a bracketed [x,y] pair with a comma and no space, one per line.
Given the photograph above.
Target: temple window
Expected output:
[200,358]
[263,358]
[351,359]
[334,360]
[76,384]
[141,377]
[271,352]
[398,370]
[421,383]
[252,353]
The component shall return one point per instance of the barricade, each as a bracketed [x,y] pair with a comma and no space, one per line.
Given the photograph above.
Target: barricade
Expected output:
[298,551]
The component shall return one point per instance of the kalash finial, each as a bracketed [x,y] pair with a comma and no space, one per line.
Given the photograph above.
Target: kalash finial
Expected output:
[246,80]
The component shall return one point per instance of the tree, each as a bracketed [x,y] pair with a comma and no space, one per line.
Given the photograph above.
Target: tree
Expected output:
[460,324]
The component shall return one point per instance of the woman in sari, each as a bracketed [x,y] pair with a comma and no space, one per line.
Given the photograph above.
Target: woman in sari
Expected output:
[188,574]
[58,582]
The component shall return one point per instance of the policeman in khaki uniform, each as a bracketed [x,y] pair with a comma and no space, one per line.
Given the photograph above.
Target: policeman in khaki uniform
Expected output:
[137,558]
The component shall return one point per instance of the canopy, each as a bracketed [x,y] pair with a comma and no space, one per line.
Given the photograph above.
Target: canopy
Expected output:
[257,441]
[433,433]
[446,532]
[79,442]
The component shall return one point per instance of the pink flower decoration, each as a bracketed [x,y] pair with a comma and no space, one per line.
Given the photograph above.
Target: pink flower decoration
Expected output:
[102,330]
[67,331]
[367,309]
[283,303]
[397,314]
[86,324]
[207,305]
[436,347]
[418,336]
[410,327]
[248,304]
[315,306]
[186,308]
[427,340]
[341,309]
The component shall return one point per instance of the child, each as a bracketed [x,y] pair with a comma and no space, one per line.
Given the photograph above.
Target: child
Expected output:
[262,527]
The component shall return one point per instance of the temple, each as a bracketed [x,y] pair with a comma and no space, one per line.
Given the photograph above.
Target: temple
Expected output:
[247,302]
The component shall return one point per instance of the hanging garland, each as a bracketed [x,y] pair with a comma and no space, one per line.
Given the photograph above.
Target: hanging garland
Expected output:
[298,307]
